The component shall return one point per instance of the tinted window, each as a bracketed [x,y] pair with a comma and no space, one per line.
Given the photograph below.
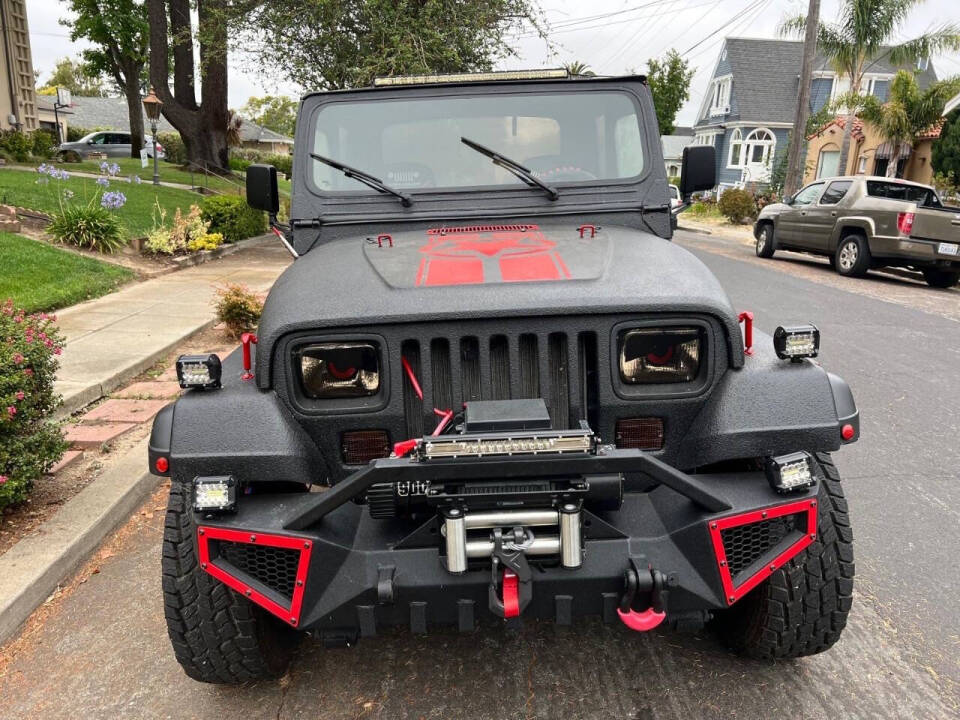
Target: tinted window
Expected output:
[901,191]
[808,194]
[98,139]
[415,143]
[835,192]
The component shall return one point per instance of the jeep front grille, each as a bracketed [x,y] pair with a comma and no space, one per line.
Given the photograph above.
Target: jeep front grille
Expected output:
[499,366]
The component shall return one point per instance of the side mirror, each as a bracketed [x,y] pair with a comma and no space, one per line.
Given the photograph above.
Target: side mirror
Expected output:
[788,200]
[262,193]
[699,171]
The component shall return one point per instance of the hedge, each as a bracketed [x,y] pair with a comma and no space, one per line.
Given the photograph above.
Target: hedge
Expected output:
[230,216]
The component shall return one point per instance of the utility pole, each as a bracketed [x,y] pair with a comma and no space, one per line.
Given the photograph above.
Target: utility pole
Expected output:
[795,160]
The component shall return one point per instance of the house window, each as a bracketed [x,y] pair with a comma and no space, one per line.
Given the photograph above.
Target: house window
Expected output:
[735,159]
[720,103]
[828,165]
[759,147]
[704,138]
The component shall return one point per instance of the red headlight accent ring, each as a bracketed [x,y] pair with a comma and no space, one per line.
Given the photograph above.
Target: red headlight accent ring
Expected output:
[341,374]
[655,359]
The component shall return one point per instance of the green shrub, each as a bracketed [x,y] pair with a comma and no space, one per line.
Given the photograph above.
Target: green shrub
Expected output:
[737,205]
[239,164]
[238,308]
[173,146]
[283,163]
[18,145]
[29,443]
[230,216]
[88,226]
[44,144]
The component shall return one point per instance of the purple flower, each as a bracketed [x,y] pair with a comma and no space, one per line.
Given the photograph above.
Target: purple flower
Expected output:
[104,165]
[103,182]
[62,175]
[113,169]
[11,410]
[3,479]
[17,358]
[113,200]
[20,395]
[137,180]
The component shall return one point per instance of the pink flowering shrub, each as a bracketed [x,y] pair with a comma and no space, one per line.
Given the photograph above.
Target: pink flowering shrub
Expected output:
[29,443]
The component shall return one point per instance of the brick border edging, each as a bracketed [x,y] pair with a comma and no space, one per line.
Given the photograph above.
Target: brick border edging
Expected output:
[33,568]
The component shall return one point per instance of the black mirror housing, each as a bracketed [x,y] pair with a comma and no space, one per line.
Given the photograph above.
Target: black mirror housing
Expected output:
[699,170]
[262,192]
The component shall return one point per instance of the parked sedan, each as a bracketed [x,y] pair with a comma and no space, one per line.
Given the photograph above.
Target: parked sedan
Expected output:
[111,143]
[863,222]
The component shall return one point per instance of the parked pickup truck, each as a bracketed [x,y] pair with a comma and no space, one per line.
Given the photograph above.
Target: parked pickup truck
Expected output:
[867,222]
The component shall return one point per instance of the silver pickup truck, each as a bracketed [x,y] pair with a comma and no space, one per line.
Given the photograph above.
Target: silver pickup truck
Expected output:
[867,222]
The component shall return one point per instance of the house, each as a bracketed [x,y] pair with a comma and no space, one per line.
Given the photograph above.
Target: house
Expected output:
[673,146]
[747,111]
[110,113]
[18,100]
[869,153]
[50,117]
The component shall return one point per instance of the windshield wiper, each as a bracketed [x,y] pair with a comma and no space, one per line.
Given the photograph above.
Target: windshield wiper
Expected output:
[368,180]
[513,167]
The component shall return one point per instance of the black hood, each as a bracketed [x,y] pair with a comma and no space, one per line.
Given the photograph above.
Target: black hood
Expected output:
[476,271]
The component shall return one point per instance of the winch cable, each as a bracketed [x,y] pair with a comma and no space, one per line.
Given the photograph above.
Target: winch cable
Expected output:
[445,415]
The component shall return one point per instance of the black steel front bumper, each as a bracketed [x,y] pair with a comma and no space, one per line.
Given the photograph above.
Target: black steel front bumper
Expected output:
[707,540]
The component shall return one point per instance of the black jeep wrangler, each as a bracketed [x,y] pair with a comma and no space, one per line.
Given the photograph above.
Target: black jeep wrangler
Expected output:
[490,386]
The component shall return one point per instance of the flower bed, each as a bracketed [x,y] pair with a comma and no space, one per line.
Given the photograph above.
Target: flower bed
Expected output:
[29,443]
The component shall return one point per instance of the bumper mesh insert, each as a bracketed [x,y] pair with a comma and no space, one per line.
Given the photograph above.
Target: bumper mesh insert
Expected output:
[272,566]
[745,544]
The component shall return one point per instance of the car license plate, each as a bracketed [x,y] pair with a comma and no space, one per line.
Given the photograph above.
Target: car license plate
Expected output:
[947,248]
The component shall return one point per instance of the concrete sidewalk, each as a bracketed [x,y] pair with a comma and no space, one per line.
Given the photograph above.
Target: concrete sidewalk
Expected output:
[116,337]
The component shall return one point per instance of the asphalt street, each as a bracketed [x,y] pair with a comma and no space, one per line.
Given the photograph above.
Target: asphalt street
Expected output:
[100,650]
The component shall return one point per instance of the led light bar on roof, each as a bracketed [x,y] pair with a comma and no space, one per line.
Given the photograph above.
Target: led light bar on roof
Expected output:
[528,443]
[471,77]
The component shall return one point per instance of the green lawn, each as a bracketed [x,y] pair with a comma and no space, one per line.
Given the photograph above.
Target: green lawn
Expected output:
[167,171]
[20,188]
[41,277]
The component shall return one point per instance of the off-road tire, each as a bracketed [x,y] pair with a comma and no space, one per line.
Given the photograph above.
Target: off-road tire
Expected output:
[941,278]
[766,244]
[802,608]
[853,258]
[218,636]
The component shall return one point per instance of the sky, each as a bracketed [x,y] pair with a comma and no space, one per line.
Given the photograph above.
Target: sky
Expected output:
[611,36]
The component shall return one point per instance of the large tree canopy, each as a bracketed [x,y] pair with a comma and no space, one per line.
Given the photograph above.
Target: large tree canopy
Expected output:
[118,29]
[330,44]
[78,77]
[946,150]
[669,79]
[274,112]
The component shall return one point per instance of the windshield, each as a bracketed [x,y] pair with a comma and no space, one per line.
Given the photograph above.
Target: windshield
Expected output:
[415,144]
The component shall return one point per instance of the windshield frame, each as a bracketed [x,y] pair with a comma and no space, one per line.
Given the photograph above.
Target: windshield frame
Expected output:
[534,197]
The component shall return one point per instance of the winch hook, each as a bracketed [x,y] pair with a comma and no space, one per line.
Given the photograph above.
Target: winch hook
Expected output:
[643,581]
[517,578]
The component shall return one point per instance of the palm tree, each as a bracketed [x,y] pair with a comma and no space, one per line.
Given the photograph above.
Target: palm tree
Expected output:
[862,35]
[907,114]
[576,68]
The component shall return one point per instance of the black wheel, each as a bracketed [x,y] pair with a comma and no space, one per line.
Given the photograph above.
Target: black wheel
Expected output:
[766,244]
[802,608]
[941,278]
[853,256]
[218,636]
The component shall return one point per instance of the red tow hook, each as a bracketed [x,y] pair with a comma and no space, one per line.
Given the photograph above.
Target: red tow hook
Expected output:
[511,594]
[643,581]
[641,621]
[247,339]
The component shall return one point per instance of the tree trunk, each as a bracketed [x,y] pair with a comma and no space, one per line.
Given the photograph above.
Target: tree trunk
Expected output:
[135,110]
[894,159]
[798,140]
[204,128]
[848,126]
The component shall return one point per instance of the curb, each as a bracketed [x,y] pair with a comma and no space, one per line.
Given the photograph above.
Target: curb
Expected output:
[33,568]
[81,398]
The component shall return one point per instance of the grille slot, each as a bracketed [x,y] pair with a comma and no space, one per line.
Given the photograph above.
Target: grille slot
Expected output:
[499,365]
[745,544]
[274,567]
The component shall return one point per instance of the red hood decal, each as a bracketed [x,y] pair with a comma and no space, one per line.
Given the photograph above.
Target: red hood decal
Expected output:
[489,254]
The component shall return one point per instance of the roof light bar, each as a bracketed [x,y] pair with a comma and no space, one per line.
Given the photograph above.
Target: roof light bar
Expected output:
[554,74]
[541,443]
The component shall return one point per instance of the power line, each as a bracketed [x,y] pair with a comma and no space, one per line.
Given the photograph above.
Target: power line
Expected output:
[735,18]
